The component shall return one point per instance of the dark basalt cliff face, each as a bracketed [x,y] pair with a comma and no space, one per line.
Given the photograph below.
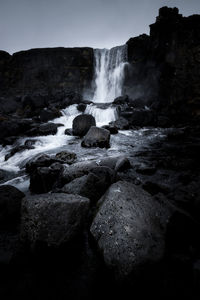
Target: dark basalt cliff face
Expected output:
[165,66]
[45,71]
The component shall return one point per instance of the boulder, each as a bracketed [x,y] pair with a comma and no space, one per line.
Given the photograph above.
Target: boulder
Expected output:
[93,185]
[97,137]
[68,131]
[130,228]
[66,157]
[43,179]
[121,123]
[82,123]
[121,100]
[81,107]
[79,169]
[122,164]
[10,204]
[49,114]
[41,160]
[52,219]
[113,129]
[44,129]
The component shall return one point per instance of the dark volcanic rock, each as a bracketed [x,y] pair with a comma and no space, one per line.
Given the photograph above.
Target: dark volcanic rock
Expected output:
[81,107]
[41,160]
[129,228]
[12,127]
[93,185]
[47,73]
[43,179]
[82,123]
[166,66]
[48,114]
[68,131]
[53,219]
[10,204]
[120,123]
[84,168]
[44,129]
[113,129]
[96,137]
[122,164]
[121,100]
[66,157]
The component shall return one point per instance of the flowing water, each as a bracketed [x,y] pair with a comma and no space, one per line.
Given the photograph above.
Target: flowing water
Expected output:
[109,73]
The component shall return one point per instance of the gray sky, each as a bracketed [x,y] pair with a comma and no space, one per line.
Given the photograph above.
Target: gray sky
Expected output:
[26,24]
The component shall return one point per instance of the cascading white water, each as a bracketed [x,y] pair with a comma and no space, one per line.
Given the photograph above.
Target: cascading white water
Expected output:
[109,73]
[103,116]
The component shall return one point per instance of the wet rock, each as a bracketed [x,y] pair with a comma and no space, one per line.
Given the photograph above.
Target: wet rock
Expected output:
[76,170]
[30,143]
[41,160]
[81,107]
[10,204]
[121,100]
[44,129]
[122,164]
[84,168]
[6,175]
[17,150]
[96,137]
[43,179]
[113,129]
[82,123]
[129,228]
[53,219]
[120,123]
[68,131]
[66,157]
[48,114]
[93,185]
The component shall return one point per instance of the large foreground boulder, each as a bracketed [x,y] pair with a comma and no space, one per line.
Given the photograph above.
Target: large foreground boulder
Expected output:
[97,137]
[82,123]
[52,219]
[129,228]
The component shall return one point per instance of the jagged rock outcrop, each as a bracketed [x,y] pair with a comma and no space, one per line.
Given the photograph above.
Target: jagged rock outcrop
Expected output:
[165,66]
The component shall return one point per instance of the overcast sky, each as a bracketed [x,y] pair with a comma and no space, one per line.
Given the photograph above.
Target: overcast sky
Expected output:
[26,24]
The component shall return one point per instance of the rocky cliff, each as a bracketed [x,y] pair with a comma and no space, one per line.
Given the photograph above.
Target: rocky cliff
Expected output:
[165,66]
[46,72]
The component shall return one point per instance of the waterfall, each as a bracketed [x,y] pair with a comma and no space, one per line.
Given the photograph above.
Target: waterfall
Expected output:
[109,73]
